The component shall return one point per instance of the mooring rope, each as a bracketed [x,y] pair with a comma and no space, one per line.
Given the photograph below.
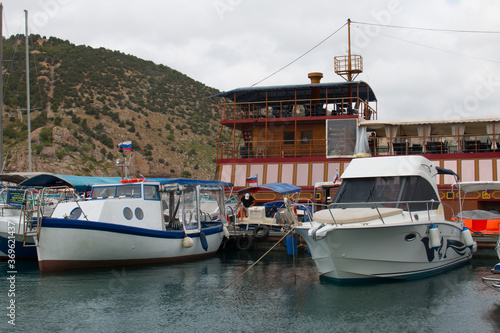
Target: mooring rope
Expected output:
[256,261]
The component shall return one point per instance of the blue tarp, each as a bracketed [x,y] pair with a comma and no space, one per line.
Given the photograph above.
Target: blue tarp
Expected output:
[79,183]
[84,183]
[183,181]
[282,188]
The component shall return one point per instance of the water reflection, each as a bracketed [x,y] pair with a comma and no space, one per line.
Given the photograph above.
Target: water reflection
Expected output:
[279,293]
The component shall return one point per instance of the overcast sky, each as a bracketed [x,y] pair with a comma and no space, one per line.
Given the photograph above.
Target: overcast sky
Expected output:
[228,44]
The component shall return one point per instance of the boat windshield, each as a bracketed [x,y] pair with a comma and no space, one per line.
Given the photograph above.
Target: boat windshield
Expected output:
[388,190]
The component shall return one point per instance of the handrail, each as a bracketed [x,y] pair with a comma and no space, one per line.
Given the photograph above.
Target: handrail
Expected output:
[286,108]
[433,144]
[390,204]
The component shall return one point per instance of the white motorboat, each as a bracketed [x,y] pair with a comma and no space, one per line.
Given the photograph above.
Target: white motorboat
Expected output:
[132,222]
[386,221]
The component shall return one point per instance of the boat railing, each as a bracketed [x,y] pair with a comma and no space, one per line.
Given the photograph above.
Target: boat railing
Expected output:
[297,108]
[410,207]
[42,204]
[308,209]
[434,144]
[272,148]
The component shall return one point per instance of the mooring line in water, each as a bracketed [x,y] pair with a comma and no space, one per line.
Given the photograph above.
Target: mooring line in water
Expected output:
[257,261]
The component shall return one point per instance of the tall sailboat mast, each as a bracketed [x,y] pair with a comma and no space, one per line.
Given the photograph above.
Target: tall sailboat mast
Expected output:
[1,86]
[28,91]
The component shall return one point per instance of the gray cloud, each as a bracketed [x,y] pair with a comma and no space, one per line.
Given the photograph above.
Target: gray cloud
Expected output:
[228,44]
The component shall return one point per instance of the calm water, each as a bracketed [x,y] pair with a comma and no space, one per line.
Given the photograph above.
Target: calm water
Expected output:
[274,296]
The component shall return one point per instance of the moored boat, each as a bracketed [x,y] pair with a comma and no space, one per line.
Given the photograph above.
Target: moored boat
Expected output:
[132,222]
[386,221]
[12,201]
[35,195]
[272,214]
[304,134]
[479,221]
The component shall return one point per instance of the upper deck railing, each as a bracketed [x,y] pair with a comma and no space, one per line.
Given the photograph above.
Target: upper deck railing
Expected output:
[296,108]
[379,146]
[434,144]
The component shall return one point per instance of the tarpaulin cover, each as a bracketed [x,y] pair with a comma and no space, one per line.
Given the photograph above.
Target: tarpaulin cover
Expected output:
[282,188]
[79,183]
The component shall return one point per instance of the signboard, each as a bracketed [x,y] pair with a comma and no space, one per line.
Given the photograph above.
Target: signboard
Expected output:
[15,198]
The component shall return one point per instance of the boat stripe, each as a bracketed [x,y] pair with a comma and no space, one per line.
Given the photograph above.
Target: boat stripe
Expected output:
[109,227]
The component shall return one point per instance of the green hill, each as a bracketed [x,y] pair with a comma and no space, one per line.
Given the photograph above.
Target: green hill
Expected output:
[85,101]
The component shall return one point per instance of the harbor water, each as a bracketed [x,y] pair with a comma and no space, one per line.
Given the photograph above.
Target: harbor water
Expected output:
[281,293]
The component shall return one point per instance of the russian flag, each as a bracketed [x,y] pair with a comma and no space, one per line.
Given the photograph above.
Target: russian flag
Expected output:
[126,145]
[336,178]
[252,180]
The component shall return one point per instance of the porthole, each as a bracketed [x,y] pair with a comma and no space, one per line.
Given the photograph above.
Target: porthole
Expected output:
[410,237]
[127,212]
[75,213]
[139,213]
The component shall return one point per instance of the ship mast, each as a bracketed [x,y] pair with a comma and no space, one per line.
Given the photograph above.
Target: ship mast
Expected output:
[28,91]
[350,66]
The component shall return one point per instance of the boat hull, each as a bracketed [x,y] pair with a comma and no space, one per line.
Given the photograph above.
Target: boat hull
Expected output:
[73,244]
[386,251]
[21,251]
[11,227]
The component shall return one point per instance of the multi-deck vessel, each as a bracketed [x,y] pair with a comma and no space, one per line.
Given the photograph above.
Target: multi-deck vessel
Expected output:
[304,134]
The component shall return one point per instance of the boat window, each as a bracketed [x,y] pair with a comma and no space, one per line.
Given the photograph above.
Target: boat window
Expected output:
[139,213]
[103,192]
[127,212]
[189,208]
[341,137]
[129,191]
[209,203]
[387,189]
[288,138]
[75,213]
[151,192]
[306,137]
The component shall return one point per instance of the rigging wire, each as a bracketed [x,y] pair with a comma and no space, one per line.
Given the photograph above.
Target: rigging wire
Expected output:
[428,29]
[439,49]
[301,56]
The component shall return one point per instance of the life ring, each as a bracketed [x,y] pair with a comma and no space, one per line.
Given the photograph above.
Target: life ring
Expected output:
[244,242]
[131,180]
[261,232]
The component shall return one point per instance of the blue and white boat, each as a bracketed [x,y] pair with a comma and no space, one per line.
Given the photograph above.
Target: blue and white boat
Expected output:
[386,221]
[135,221]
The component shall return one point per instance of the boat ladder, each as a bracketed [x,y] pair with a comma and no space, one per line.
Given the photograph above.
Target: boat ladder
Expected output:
[31,225]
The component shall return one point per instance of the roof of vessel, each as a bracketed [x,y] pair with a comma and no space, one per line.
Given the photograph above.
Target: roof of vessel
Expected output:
[388,166]
[299,91]
[79,183]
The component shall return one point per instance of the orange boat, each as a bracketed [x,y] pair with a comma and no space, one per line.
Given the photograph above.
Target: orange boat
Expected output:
[480,221]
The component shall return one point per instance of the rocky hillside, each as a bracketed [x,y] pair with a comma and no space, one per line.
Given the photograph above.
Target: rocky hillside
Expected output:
[85,101]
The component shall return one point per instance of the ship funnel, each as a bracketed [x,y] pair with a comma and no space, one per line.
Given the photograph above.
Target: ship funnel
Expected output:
[315,91]
[315,77]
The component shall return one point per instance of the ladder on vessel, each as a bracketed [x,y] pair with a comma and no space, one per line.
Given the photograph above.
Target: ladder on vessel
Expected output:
[30,209]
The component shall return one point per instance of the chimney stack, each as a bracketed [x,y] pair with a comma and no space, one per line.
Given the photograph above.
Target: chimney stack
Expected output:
[315,91]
